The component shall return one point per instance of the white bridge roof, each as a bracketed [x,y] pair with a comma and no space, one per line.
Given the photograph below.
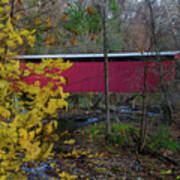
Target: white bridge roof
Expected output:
[110,55]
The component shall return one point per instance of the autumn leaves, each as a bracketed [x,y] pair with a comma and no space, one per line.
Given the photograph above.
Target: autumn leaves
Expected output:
[47,22]
[72,22]
[24,137]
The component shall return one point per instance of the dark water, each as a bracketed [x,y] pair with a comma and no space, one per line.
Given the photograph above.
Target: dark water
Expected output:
[121,110]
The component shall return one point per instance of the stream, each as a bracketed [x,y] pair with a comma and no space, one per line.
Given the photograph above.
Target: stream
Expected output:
[124,112]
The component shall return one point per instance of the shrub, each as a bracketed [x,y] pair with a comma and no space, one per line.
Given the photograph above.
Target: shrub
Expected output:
[95,131]
[162,139]
[119,134]
[23,136]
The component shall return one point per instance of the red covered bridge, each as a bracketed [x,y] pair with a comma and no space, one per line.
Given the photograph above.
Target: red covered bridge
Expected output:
[126,71]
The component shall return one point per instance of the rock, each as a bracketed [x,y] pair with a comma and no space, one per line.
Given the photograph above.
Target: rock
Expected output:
[124,109]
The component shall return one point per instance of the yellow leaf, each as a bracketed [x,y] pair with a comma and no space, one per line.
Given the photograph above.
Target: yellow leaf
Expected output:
[39,128]
[4,177]
[72,177]
[2,35]
[25,32]
[48,128]
[39,71]
[11,43]
[2,50]
[26,73]
[63,80]
[19,39]
[64,133]
[55,123]
[71,141]
[4,112]
[4,1]
[48,151]
[90,156]
[52,106]
[18,16]
[1,26]
[33,150]
[49,24]
[55,137]
[37,83]
[31,135]
[48,19]
[67,176]
[61,103]
[7,8]
[63,174]
[30,65]
[31,40]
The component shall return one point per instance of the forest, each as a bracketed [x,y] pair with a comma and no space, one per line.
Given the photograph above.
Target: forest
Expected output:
[90,89]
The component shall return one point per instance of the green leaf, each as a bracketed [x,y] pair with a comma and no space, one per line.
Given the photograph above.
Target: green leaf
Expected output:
[166,172]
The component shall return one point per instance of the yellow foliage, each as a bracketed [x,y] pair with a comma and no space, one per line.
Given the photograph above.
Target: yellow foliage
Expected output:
[66,176]
[71,141]
[4,112]
[18,16]
[27,73]
[23,107]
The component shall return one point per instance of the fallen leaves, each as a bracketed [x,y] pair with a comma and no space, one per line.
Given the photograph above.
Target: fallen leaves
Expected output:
[67,176]
[107,155]
[64,133]
[37,21]
[71,141]
[89,163]
[100,170]
[49,24]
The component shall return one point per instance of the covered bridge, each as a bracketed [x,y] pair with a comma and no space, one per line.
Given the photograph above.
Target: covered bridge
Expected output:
[126,71]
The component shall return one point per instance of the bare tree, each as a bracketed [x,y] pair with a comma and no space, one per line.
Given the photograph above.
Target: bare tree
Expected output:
[165,102]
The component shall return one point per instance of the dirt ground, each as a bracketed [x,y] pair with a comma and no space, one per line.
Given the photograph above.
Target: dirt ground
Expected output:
[101,161]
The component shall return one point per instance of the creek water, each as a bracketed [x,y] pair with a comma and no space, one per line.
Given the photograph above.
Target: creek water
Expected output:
[121,110]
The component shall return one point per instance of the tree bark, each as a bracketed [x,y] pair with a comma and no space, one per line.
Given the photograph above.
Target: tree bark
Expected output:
[143,123]
[105,49]
[165,102]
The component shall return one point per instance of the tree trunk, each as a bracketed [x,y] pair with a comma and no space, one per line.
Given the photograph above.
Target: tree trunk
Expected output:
[105,49]
[165,102]
[143,123]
